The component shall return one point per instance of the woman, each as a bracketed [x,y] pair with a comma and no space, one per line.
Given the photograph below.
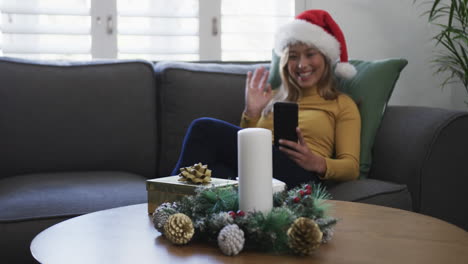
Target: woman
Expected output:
[329,121]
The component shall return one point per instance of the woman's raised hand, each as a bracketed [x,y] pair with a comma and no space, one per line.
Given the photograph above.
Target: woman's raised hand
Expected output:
[257,92]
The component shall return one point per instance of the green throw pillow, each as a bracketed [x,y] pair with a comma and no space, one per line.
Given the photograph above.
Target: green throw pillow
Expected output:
[274,78]
[371,89]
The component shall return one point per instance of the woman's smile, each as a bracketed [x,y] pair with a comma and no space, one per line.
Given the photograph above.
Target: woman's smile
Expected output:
[303,76]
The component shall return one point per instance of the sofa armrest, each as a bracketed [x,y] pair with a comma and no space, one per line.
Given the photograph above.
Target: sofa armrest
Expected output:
[426,149]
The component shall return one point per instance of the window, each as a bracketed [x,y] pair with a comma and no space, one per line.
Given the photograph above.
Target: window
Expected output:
[187,30]
[248,27]
[46,29]
[1,34]
[158,29]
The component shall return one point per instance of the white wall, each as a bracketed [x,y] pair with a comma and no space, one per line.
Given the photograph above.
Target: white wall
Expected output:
[378,29]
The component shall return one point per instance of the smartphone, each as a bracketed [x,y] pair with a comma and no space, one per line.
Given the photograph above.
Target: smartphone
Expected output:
[285,121]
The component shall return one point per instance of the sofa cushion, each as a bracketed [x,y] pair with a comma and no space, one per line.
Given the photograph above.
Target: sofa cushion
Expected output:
[66,116]
[50,195]
[373,192]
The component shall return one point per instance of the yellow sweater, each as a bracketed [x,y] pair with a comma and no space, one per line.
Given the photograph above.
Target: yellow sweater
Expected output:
[331,129]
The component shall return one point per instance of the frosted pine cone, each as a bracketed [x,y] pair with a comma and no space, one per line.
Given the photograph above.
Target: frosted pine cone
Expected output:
[304,236]
[219,220]
[327,235]
[160,219]
[326,225]
[231,240]
[161,214]
[179,229]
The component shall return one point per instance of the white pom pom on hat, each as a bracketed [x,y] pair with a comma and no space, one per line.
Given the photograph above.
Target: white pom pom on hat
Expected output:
[345,70]
[317,28]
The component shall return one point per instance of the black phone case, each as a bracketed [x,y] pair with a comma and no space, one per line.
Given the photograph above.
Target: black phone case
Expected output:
[285,121]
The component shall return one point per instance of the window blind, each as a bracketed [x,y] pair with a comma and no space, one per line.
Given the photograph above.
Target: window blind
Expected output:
[1,32]
[248,27]
[46,29]
[158,29]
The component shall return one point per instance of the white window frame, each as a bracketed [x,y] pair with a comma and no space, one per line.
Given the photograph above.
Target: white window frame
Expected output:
[103,29]
[209,29]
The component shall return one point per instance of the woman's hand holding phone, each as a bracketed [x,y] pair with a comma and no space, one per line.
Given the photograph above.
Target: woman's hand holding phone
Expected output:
[300,153]
[257,92]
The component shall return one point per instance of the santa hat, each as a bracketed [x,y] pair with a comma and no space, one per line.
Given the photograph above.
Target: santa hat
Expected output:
[317,28]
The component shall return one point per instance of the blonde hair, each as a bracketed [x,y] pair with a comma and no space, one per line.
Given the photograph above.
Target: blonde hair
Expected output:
[290,91]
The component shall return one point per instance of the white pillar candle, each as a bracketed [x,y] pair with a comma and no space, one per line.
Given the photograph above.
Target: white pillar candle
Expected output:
[255,168]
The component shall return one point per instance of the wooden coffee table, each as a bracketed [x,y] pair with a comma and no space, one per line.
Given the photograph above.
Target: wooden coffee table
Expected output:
[365,234]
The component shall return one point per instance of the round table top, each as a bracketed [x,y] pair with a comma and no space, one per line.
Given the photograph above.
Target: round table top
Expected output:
[365,234]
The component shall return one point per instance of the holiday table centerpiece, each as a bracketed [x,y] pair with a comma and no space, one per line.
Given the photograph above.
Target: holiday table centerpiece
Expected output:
[249,215]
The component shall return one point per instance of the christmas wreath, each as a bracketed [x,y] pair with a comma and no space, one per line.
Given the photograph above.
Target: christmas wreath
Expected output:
[297,223]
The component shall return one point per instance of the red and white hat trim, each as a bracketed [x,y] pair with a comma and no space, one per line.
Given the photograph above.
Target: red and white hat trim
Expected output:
[302,31]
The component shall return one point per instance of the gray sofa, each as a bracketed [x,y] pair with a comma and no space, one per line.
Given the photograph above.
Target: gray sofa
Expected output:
[77,137]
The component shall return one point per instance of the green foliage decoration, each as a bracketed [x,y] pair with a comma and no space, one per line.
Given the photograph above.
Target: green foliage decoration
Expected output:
[267,232]
[211,209]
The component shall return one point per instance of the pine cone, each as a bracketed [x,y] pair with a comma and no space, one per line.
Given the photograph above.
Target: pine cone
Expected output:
[231,240]
[160,216]
[326,225]
[327,235]
[304,236]
[218,221]
[179,229]
[197,173]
